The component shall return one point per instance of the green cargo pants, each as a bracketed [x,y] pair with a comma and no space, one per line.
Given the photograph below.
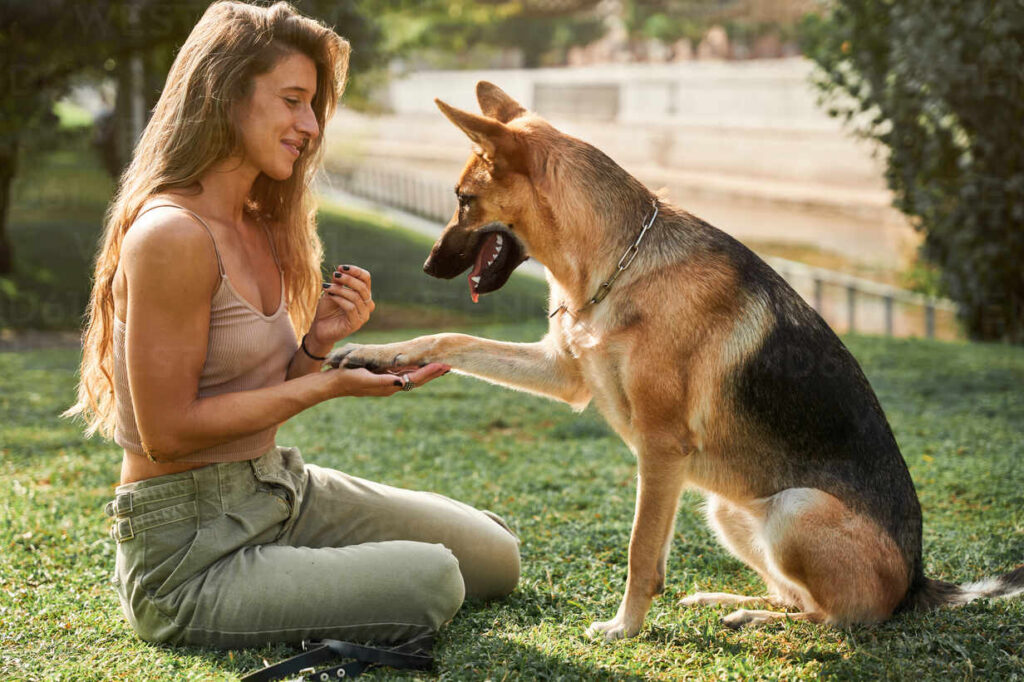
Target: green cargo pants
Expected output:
[241,554]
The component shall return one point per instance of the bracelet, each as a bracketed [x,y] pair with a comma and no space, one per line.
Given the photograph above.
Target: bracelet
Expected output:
[306,350]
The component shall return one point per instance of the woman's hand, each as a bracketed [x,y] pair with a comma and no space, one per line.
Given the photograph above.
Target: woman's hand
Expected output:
[345,306]
[362,382]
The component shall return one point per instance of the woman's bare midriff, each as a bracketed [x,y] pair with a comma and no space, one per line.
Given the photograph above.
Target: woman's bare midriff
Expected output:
[136,467]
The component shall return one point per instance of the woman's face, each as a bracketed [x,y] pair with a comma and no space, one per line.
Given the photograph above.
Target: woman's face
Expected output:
[277,122]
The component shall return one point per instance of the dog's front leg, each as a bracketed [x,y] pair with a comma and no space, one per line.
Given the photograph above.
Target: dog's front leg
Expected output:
[540,367]
[659,485]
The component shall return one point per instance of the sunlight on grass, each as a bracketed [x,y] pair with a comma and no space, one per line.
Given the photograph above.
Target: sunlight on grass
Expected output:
[566,484]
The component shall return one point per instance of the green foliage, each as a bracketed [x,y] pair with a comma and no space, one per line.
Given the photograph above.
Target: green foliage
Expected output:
[55,221]
[922,277]
[670,20]
[445,33]
[48,42]
[939,84]
[71,115]
[360,25]
[566,485]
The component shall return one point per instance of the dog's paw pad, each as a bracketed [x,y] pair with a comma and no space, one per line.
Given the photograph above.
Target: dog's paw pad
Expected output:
[609,630]
[343,357]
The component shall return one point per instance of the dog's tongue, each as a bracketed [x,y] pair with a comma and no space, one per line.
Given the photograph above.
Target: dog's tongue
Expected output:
[478,267]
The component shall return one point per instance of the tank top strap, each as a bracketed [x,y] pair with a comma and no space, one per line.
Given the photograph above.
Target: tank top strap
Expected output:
[220,263]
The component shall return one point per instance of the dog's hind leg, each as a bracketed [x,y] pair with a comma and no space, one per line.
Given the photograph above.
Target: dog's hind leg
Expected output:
[848,568]
[738,530]
[743,617]
[715,598]
[658,488]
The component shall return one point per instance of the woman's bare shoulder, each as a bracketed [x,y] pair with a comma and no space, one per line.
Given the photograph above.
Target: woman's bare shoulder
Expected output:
[172,241]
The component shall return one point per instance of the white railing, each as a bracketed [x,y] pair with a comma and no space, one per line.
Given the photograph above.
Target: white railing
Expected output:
[846,302]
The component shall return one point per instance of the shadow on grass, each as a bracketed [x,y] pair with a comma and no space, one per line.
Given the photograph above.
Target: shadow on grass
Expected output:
[478,646]
[983,640]
[486,655]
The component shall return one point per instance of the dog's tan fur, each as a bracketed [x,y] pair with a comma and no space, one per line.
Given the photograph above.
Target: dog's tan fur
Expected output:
[659,357]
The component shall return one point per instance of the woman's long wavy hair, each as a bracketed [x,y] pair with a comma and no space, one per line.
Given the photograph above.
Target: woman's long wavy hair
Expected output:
[191,129]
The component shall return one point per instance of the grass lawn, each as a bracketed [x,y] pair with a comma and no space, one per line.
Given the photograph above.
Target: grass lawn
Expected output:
[566,484]
[563,481]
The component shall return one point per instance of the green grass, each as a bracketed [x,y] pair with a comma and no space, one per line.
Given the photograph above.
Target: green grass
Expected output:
[564,481]
[566,484]
[72,116]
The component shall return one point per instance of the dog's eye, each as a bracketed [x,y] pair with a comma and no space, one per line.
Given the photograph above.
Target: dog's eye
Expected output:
[465,201]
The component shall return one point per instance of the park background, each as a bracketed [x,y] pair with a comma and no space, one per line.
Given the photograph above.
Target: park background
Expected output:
[871,151]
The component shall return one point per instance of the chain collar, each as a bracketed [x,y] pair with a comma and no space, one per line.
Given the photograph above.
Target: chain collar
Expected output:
[624,262]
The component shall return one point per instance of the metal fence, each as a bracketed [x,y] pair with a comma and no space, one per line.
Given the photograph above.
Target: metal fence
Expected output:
[847,303]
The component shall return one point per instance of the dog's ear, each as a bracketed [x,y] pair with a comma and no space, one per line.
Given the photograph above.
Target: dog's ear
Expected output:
[496,104]
[496,142]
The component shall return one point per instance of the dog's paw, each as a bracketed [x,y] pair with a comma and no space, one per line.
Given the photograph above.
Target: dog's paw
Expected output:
[749,618]
[337,357]
[353,356]
[611,630]
[373,358]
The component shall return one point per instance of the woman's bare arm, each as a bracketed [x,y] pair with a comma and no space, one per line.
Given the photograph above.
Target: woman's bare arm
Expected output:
[171,273]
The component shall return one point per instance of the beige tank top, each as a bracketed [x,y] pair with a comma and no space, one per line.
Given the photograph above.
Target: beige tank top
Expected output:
[245,350]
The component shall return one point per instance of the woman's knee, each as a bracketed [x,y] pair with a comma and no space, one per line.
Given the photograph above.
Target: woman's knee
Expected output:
[438,587]
[502,571]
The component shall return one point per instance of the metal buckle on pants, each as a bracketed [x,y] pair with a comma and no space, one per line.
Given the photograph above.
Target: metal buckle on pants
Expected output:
[123,503]
[122,530]
[120,505]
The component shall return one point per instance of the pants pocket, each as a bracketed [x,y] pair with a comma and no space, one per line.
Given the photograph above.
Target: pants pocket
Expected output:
[165,537]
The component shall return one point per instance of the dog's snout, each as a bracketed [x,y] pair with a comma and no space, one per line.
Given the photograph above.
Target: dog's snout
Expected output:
[430,266]
[447,257]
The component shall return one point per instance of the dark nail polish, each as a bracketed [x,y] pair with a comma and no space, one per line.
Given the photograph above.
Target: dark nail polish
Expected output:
[337,275]
[397,382]
[326,285]
[345,268]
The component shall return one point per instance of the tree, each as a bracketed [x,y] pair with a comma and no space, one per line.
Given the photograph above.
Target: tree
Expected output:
[44,43]
[671,20]
[940,85]
[47,42]
[451,27]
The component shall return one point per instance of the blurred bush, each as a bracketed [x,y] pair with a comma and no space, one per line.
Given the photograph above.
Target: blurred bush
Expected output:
[940,85]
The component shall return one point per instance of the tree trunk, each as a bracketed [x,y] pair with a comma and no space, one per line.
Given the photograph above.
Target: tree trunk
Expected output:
[8,166]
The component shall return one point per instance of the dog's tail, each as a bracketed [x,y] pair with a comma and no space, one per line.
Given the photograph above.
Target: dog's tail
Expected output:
[930,594]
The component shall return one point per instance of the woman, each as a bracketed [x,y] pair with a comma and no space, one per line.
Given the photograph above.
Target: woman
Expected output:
[207,279]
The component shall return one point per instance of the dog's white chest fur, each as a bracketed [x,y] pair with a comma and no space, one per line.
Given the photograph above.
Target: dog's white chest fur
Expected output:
[579,336]
[587,343]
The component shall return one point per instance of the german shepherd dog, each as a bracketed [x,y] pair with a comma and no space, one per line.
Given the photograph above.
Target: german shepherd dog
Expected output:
[710,367]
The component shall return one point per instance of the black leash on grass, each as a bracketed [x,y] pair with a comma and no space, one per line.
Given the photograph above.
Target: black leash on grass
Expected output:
[414,654]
